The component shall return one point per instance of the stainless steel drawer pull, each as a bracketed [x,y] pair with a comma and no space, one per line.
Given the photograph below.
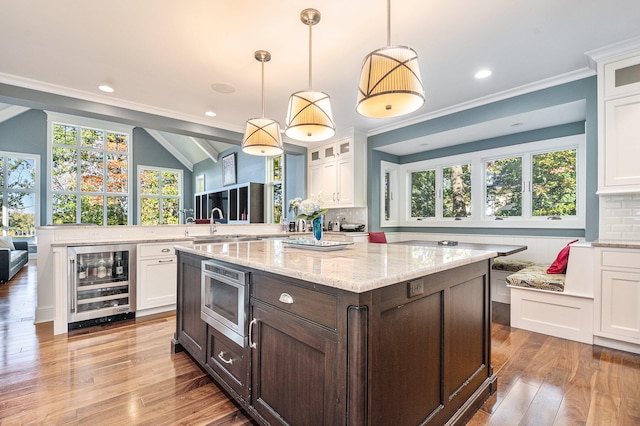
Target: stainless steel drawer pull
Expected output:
[226,361]
[165,261]
[286,298]
[252,344]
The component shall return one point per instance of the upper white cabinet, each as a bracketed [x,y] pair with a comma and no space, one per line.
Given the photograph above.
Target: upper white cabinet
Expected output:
[337,173]
[619,124]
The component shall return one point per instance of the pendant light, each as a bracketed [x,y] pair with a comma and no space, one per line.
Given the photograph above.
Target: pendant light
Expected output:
[309,117]
[262,135]
[390,83]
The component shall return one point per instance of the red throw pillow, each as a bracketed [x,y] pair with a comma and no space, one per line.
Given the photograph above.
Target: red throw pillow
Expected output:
[377,237]
[559,266]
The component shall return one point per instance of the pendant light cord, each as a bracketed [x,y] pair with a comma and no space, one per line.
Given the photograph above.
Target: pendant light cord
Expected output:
[388,22]
[262,88]
[310,56]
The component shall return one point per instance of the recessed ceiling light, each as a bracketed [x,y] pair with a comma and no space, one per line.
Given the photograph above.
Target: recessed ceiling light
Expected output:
[483,73]
[223,88]
[210,114]
[106,88]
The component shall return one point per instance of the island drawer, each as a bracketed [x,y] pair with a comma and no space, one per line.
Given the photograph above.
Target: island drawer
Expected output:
[156,250]
[227,359]
[310,304]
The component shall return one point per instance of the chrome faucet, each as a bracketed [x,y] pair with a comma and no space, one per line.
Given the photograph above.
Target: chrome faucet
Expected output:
[212,221]
[186,226]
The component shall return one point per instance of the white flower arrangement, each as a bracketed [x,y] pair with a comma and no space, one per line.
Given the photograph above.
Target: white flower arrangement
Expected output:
[308,209]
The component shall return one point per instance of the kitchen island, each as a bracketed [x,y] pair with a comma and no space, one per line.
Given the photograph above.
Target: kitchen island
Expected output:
[370,334]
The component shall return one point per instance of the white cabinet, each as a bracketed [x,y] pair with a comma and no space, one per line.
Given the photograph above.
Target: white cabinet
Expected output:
[157,273]
[337,173]
[619,125]
[617,296]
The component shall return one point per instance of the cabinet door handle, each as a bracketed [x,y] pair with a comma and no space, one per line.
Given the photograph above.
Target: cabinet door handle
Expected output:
[72,280]
[226,361]
[165,261]
[166,250]
[252,344]
[286,298]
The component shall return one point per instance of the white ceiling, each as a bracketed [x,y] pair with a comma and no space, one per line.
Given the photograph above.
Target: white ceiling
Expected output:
[162,56]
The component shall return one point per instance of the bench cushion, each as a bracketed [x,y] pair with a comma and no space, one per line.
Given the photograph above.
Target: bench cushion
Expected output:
[502,263]
[536,277]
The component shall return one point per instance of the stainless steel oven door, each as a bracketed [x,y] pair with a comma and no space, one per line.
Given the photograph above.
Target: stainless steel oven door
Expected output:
[224,301]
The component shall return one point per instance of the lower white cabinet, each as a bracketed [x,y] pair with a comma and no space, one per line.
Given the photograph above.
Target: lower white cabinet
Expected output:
[157,273]
[618,296]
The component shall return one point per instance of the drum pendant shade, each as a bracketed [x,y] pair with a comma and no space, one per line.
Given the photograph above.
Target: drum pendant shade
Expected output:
[309,116]
[262,135]
[390,83]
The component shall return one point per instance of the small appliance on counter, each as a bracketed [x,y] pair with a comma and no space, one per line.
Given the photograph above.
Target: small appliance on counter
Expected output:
[352,227]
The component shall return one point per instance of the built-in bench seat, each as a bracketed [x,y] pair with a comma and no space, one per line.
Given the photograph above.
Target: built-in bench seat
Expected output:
[559,305]
[535,276]
[502,267]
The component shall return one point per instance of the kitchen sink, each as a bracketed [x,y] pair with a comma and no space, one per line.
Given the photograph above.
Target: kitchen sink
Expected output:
[225,239]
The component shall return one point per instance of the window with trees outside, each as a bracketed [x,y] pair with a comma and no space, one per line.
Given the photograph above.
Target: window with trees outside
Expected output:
[275,189]
[159,195]
[537,184]
[89,173]
[19,177]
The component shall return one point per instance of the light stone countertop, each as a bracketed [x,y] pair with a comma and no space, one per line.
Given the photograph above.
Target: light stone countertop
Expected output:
[359,267]
[617,244]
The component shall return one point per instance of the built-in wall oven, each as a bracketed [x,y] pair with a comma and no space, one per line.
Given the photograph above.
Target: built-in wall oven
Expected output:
[225,299]
[101,284]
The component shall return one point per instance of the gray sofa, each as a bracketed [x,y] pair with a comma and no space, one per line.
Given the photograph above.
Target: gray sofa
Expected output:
[11,261]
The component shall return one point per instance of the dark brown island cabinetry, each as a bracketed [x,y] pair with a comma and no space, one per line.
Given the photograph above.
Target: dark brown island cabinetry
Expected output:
[410,353]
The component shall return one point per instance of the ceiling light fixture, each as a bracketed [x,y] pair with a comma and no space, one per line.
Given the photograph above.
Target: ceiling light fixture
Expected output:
[309,117]
[106,88]
[484,73]
[210,114]
[390,83]
[262,135]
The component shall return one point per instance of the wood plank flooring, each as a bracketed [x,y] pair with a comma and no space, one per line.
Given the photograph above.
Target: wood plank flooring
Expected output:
[125,374]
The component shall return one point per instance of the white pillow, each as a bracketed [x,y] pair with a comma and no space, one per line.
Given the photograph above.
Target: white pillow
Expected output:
[7,242]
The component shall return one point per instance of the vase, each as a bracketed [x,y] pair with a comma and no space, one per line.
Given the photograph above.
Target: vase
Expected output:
[317,228]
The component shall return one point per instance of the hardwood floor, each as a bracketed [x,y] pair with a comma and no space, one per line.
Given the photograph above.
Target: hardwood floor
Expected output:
[124,374]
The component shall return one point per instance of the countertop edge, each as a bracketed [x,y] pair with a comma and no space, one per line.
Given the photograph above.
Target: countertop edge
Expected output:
[355,287]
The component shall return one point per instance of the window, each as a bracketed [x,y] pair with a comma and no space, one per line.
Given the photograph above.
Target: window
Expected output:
[275,189]
[423,194]
[89,172]
[554,184]
[160,195]
[538,184]
[389,194]
[20,194]
[503,187]
[456,184]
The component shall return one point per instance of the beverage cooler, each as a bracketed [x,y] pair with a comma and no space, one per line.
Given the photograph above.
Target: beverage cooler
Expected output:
[101,284]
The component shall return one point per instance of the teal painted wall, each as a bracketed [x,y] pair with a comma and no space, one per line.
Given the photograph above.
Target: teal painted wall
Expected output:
[251,168]
[148,152]
[584,89]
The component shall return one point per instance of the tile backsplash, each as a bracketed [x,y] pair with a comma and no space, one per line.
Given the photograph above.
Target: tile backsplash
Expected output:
[348,215]
[620,217]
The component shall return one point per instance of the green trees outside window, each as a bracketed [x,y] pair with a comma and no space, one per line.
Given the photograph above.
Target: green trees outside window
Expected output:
[503,180]
[89,175]
[18,174]
[275,188]
[160,195]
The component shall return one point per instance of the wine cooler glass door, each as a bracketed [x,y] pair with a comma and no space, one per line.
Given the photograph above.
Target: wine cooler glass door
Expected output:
[101,281]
